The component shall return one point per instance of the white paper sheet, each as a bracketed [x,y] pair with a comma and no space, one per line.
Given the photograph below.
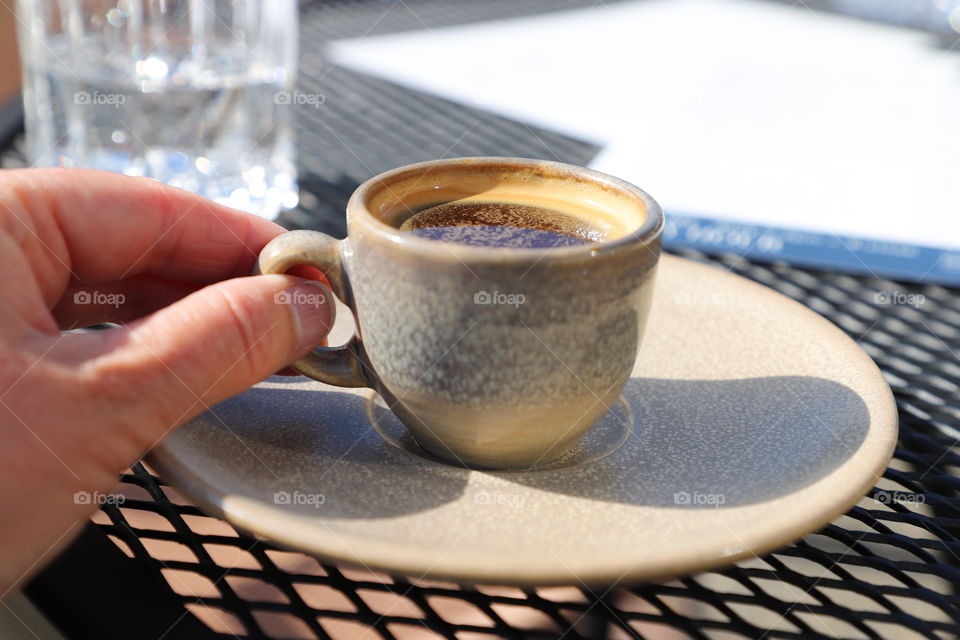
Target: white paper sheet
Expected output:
[727,109]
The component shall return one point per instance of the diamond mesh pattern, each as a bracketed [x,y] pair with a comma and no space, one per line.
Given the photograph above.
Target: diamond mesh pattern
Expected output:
[887,569]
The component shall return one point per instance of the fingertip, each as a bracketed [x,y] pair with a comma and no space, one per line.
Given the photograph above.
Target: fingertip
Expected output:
[314,312]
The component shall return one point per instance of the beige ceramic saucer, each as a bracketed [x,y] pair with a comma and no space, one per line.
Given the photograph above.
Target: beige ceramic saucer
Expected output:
[749,422]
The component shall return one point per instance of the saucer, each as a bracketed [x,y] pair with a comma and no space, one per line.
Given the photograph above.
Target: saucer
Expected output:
[749,422]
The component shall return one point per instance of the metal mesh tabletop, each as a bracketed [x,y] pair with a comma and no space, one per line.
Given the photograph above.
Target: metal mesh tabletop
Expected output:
[887,569]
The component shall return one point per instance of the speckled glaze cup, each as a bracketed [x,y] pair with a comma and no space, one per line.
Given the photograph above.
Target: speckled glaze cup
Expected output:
[492,357]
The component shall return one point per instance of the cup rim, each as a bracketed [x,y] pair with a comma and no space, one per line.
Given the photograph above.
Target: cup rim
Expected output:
[643,235]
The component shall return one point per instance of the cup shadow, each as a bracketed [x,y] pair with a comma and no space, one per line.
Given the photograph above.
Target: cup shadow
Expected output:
[719,443]
[694,444]
[315,453]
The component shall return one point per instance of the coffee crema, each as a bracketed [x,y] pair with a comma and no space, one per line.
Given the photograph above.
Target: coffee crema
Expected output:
[500,224]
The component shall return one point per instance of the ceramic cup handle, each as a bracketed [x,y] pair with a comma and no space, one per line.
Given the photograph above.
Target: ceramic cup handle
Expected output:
[340,366]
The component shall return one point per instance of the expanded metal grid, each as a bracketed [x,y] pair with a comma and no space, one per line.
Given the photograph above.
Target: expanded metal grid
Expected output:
[887,569]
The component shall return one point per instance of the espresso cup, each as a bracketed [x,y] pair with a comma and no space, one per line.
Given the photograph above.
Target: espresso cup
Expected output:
[492,357]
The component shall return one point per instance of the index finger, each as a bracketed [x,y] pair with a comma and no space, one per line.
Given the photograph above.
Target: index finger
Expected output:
[105,227]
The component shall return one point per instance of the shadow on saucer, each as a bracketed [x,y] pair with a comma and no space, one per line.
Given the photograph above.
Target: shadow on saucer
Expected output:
[314,452]
[695,444]
[719,443]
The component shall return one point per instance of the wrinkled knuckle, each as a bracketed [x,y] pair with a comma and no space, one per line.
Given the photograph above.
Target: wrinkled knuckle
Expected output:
[127,402]
[118,376]
[111,382]
[13,365]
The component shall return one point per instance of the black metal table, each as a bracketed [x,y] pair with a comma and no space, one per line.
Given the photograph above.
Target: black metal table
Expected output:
[887,569]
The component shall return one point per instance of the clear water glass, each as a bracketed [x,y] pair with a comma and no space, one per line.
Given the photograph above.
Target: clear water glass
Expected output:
[195,93]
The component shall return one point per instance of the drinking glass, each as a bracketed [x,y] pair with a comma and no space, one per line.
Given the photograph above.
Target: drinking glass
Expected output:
[195,93]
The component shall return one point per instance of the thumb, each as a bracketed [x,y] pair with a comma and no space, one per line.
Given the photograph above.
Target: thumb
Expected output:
[212,344]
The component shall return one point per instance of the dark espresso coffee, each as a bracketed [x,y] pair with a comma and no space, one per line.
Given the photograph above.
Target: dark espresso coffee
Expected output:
[500,224]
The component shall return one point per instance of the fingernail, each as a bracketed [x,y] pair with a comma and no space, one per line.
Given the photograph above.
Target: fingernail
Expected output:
[314,311]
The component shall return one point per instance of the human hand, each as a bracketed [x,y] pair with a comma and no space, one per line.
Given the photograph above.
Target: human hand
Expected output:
[84,247]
